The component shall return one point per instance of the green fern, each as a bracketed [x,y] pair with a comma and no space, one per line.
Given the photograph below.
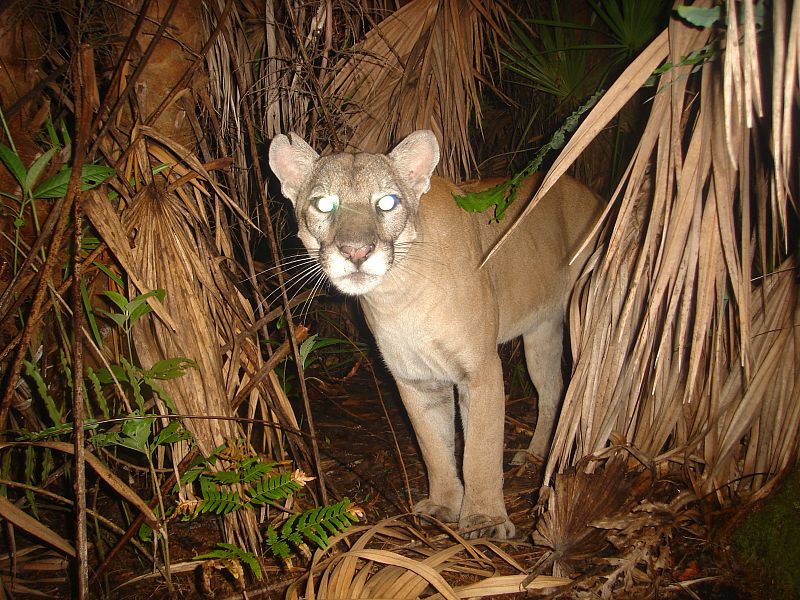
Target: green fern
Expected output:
[232,552]
[53,411]
[248,470]
[97,391]
[271,489]
[218,488]
[228,490]
[217,500]
[253,469]
[314,525]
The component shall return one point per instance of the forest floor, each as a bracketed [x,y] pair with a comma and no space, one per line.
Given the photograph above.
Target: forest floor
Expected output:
[360,461]
[359,454]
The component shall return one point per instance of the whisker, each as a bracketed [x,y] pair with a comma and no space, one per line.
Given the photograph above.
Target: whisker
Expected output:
[405,269]
[302,278]
[296,282]
[403,252]
[288,263]
[321,281]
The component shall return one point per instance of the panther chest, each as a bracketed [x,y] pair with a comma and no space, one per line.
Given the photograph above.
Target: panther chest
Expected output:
[414,350]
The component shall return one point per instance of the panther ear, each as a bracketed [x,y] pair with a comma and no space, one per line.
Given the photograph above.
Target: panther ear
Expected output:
[291,159]
[415,158]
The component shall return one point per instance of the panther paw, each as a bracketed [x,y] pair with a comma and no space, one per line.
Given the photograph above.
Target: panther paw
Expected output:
[526,456]
[437,511]
[475,526]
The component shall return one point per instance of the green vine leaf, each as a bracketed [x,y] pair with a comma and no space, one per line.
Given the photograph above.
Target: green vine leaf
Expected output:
[169,368]
[36,169]
[705,17]
[172,433]
[56,186]
[14,164]
[501,196]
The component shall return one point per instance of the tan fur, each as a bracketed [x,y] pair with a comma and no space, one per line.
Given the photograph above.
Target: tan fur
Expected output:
[437,318]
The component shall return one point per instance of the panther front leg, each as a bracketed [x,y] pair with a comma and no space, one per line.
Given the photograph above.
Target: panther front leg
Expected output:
[482,404]
[431,408]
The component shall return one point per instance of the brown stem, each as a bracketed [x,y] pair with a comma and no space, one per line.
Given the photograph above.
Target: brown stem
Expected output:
[84,68]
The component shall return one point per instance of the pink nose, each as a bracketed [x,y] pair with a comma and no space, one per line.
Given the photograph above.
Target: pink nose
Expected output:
[355,254]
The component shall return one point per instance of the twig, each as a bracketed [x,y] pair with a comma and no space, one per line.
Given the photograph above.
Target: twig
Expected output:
[36,91]
[122,60]
[139,519]
[270,316]
[84,69]
[684,585]
[277,356]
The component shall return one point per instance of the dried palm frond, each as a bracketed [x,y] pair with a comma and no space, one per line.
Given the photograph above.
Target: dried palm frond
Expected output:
[391,559]
[583,498]
[170,255]
[642,538]
[685,334]
[419,68]
[30,568]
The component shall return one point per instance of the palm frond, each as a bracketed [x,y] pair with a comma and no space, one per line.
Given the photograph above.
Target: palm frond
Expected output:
[685,333]
[418,68]
[391,560]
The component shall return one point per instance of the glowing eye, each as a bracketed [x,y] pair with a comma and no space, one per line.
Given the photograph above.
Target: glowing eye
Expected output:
[326,204]
[388,202]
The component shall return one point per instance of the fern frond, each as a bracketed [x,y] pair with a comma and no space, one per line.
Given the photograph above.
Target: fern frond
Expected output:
[216,500]
[271,489]
[231,557]
[222,504]
[314,525]
[186,509]
[253,468]
[225,477]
